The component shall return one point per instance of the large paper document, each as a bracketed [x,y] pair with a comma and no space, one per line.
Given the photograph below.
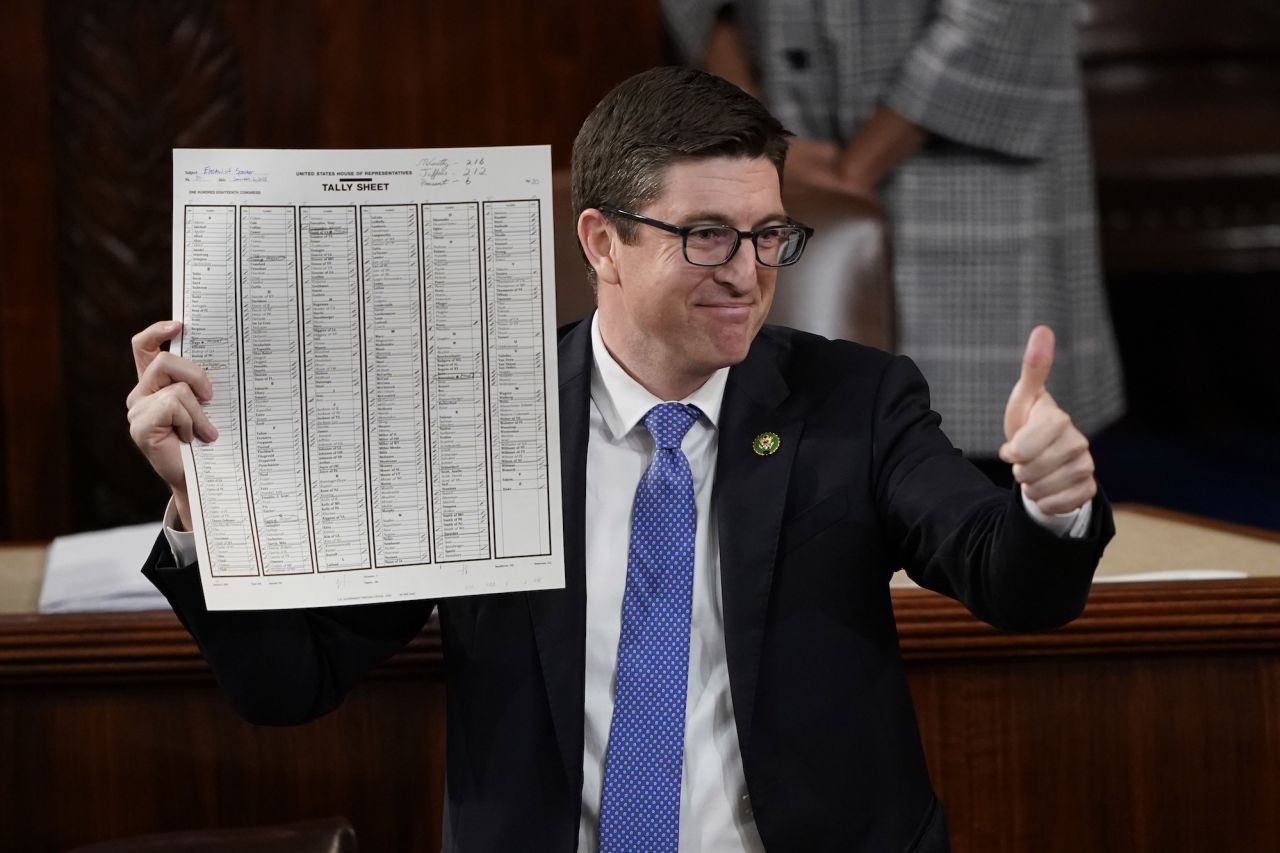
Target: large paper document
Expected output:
[379,328]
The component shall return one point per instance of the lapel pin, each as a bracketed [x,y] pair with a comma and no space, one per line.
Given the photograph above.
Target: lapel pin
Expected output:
[766,444]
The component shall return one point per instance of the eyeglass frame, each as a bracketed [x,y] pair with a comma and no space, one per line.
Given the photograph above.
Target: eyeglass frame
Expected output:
[685,230]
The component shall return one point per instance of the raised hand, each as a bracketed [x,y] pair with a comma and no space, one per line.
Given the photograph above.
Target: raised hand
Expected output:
[1050,457]
[165,407]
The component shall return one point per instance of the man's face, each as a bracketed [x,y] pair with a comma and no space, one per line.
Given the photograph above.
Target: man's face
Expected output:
[672,324]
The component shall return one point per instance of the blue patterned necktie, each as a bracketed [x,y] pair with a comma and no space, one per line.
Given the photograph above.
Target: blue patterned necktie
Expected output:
[640,803]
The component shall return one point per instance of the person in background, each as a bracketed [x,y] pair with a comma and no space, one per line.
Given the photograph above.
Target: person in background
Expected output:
[965,120]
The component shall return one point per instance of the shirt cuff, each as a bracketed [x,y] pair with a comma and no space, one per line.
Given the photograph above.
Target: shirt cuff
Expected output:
[1072,525]
[181,542]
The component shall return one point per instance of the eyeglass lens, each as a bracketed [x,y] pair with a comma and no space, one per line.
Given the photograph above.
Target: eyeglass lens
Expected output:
[713,245]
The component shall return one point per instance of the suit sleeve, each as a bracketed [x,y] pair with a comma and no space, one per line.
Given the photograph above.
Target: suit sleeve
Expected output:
[993,74]
[281,667]
[959,535]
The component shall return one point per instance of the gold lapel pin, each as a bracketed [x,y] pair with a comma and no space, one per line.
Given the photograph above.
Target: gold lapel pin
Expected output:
[766,444]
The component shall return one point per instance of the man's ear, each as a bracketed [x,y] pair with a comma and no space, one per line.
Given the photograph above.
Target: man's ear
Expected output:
[598,239]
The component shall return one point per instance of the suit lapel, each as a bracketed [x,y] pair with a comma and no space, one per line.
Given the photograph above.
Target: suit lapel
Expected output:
[750,494]
[559,616]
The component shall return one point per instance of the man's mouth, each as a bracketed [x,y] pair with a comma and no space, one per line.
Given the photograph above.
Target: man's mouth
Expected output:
[728,310]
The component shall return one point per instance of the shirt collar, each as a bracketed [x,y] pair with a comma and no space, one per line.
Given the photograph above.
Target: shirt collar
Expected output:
[623,402]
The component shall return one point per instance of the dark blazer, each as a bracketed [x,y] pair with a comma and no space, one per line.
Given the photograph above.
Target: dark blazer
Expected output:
[864,483]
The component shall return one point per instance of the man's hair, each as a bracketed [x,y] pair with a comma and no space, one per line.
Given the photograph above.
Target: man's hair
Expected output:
[660,117]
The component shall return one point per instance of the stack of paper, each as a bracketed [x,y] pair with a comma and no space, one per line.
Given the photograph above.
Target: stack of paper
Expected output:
[99,571]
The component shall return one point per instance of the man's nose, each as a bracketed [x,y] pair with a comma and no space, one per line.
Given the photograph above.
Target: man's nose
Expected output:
[741,272]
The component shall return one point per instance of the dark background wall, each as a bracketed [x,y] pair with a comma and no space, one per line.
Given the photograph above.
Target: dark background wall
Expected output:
[1184,101]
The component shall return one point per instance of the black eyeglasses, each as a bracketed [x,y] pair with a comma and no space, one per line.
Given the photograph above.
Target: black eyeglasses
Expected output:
[715,245]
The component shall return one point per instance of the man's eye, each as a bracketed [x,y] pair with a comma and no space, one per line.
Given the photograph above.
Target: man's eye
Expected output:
[770,236]
[709,236]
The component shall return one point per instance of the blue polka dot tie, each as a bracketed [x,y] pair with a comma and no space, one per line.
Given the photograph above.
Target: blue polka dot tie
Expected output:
[640,803]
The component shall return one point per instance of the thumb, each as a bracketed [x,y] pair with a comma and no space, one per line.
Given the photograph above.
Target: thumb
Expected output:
[1036,363]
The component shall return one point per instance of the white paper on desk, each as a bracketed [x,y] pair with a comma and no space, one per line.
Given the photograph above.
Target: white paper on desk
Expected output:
[98,571]
[379,328]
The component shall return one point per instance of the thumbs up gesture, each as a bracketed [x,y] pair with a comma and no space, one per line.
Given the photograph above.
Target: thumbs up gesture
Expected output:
[1050,457]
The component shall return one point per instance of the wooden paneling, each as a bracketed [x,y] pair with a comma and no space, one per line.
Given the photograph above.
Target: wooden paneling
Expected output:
[129,82]
[33,454]
[112,726]
[1184,109]
[1150,724]
[108,762]
[1138,754]
[401,73]
[122,83]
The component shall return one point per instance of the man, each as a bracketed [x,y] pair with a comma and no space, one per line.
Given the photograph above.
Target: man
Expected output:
[721,671]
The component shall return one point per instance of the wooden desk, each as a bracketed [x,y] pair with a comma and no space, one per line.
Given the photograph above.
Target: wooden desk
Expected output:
[1152,723]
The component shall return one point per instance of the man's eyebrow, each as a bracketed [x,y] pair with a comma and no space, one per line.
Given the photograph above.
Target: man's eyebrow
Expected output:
[711,217]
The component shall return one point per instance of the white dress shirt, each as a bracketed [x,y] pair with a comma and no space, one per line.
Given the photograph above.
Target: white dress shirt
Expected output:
[715,814]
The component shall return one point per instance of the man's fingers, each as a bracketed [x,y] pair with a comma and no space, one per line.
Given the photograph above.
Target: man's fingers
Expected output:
[199,425]
[1069,500]
[167,369]
[146,344]
[1061,479]
[202,427]
[1045,424]
[1069,446]
[173,407]
[155,421]
[1037,361]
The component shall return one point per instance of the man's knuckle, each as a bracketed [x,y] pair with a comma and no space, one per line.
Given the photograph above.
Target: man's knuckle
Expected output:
[177,389]
[140,431]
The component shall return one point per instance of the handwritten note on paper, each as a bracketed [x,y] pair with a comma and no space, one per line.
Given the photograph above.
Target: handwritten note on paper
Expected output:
[442,170]
[222,174]
[379,328]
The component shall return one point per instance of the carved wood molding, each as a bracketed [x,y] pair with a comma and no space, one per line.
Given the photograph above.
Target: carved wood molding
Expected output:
[1205,617]
[129,82]
[1166,617]
[152,646]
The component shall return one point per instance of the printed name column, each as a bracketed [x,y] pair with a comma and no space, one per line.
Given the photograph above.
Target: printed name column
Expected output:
[335,388]
[211,340]
[455,316]
[518,422]
[394,384]
[273,387]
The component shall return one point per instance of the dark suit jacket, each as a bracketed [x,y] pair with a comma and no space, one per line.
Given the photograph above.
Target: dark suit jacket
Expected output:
[864,483]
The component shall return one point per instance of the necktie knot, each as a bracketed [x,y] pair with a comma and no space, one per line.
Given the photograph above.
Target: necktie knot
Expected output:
[668,423]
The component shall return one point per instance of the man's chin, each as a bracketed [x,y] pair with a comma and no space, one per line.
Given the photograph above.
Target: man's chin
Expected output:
[731,352]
